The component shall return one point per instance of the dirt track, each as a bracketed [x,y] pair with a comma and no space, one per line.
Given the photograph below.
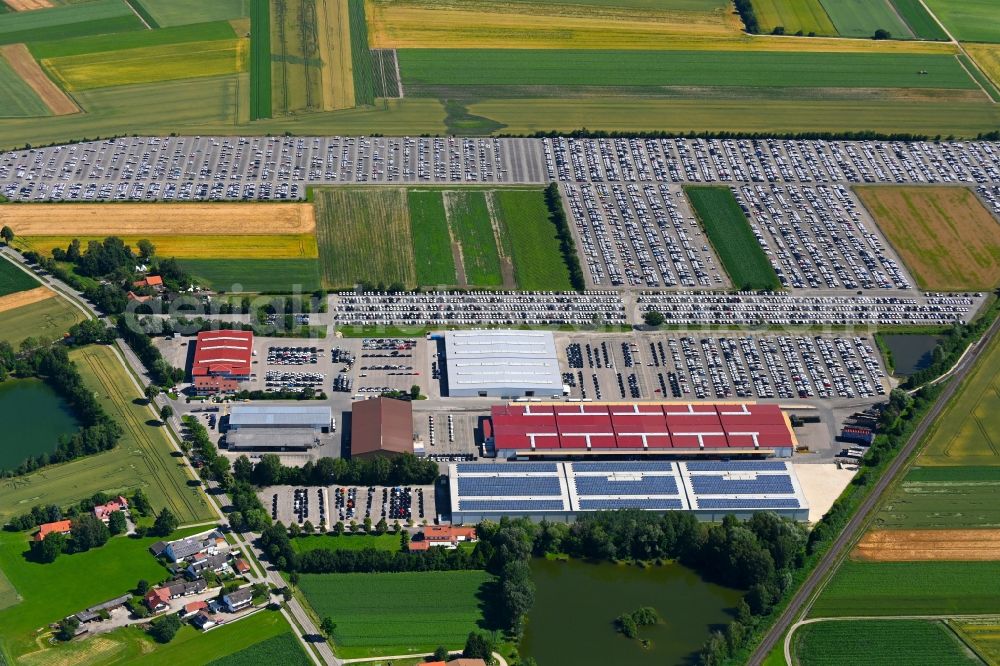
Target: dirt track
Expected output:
[28,69]
[927,545]
[138,219]
[16,300]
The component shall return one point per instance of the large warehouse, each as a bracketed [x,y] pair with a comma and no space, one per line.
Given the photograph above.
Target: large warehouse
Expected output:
[710,489]
[381,427]
[502,364]
[277,427]
[593,429]
[221,360]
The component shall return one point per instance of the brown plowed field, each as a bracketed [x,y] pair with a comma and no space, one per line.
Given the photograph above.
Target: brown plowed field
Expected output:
[29,70]
[927,545]
[158,219]
[17,299]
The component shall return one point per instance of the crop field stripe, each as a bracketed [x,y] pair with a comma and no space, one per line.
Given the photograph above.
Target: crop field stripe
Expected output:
[730,234]
[260,59]
[968,20]
[470,222]
[868,642]
[199,32]
[533,240]
[13,279]
[432,251]
[361,56]
[186,12]
[91,18]
[794,15]
[984,67]
[921,23]
[334,39]
[49,319]
[143,14]
[18,98]
[155,63]
[301,246]
[861,18]
[255,275]
[465,67]
[983,635]
[283,649]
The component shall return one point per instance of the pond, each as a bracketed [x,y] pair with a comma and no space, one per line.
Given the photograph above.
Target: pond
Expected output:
[911,352]
[576,603]
[33,417]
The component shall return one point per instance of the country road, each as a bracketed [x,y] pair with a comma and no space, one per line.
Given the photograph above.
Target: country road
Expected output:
[800,602]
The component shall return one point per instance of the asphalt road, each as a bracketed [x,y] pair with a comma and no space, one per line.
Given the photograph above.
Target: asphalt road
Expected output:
[860,519]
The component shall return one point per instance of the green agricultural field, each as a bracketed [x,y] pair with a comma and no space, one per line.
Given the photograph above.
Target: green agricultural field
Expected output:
[142,459]
[91,18]
[729,232]
[432,252]
[968,430]
[793,15]
[861,18]
[201,32]
[530,239]
[283,649]
[49,319]
[364,236]
[910,588]
[183,12]
[260,60]
[8,595]
[346,542]
[471,223]
[432,71]
[365,86]
[154,63]
[983,635]
[397,613]
[13,279]
[18,99]
[72,583]
[874,643]
[687,5]
[943,498]
[255,275]
[921,23]
[969,20]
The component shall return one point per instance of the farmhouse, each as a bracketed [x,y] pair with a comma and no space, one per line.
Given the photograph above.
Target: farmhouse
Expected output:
[200,563]
[381,427]
[221,355]
[277,427]
[448,536]
[150,281]
[501,364]
[93,612]
[104,511]
[177,551]
[158,598]
[60,526]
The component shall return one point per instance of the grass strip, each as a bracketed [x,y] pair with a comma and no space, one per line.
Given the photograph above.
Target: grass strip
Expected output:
[260,60]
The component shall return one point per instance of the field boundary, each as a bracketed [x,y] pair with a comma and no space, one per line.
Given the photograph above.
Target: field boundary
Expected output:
[26,67]
[21,298]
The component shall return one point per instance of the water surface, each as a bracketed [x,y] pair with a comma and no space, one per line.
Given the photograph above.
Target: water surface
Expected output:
[32,416]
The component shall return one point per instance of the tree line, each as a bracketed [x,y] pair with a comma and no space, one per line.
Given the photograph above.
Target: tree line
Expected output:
[98,431]
[402,470]
[567,246]
[160,371]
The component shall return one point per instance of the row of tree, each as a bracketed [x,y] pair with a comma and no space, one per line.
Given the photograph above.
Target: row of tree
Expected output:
[403,470]
[567,246]
[160,371]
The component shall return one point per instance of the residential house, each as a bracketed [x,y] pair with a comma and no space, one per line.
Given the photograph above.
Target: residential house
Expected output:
[238,600]
[203,621]
[103,512]
[200,563]
[157,599]
[241,567]
[193,607]
[210,543]
[448,536]
[59,526]
[151,281]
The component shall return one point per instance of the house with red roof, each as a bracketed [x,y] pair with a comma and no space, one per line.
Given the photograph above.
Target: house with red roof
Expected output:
[103,512]
[60,526]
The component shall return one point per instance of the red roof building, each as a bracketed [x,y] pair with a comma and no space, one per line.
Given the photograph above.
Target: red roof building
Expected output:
[60,526]
[154,281]
[213,385]
[588,429]
[104,511]
[225,354]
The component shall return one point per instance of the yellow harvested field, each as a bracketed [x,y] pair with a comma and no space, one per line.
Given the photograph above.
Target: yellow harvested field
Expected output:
[17,299]
[155,219]
[289,246]
[25,66]
[411,26]
[334,39]
[929,545]
[987,56]
[27,5]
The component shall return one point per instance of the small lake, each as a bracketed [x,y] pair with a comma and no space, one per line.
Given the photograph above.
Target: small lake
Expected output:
[911,352]
[33,417]
[576,603]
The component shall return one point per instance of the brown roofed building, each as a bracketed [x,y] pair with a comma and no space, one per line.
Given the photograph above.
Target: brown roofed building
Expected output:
[381,426]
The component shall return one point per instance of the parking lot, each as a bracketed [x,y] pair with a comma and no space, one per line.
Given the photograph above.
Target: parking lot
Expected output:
[327,505]
[679,366]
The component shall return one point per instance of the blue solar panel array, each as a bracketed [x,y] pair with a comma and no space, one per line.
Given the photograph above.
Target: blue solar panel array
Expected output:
[726,504]
[647,485]
[736,466]
[630,503]
[510,505]
[623,467]
[495,468]
[508,486]
[771,484]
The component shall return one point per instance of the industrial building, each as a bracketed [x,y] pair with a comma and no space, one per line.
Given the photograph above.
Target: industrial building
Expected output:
[591,429]
[277,427]
[502,364]
[710,489]
[381,427]
[222,359]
